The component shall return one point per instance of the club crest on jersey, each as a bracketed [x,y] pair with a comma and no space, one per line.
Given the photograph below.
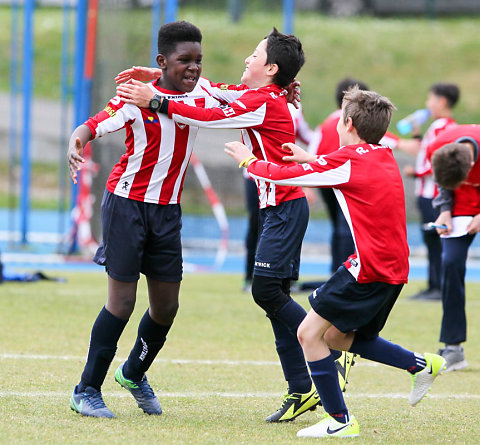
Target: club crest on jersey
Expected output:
[224,86]
[151,120]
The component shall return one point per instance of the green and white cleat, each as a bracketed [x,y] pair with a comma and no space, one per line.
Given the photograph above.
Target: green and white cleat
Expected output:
[329,427]
[422,380]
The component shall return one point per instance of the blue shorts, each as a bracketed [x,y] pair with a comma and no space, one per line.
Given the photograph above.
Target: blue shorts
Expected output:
[352,306]
[140,237]
[282,229]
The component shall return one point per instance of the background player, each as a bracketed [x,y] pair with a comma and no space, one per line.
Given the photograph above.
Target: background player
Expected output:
[441,100]
[350,310]
[457,172]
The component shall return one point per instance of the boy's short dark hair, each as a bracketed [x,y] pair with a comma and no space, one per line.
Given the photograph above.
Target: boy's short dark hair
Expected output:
[370,113]
[451,165]
[284,50]
[344,85]
[449,91]
[175,32]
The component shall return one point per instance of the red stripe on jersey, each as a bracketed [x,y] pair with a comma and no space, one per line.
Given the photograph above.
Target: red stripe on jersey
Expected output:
[179,152]
[153,131]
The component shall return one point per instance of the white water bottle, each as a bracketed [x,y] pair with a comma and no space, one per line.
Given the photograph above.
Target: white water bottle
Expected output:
[417,118]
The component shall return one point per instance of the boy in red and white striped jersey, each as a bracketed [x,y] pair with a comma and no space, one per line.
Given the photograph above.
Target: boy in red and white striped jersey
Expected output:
[141,217]
[352,307]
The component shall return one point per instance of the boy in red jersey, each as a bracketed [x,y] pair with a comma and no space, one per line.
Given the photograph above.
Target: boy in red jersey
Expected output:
[351,308]
[454,157]
[442,98]
[263,116]
[141,218]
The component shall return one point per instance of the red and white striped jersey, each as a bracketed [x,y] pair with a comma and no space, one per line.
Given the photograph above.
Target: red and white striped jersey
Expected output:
[266,123]
[424,183]
[369,188]
[158,149]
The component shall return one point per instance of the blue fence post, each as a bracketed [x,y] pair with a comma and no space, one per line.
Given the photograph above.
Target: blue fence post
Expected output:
[288,16]
[13,136]
[171,7]
[156,12]
[27,81]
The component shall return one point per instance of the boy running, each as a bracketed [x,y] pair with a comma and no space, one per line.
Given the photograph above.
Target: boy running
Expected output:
[351,308]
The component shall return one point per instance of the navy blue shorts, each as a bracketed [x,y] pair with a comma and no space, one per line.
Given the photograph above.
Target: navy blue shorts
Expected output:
[352,306]
[140,237]
[282,229]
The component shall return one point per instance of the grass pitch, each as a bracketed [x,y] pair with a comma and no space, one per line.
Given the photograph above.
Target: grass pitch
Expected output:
[217,377]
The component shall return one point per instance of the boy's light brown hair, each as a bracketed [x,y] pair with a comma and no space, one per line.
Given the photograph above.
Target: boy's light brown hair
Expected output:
[370,112]
[451,165]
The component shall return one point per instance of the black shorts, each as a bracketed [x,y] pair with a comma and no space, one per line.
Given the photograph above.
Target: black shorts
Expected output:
[282,229]
[140,237]
[352,306]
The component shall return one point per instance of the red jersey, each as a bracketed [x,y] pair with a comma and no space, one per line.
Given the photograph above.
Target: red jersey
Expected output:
[466,198]
[424,183]
[157,149]
[266,123]
[369,189]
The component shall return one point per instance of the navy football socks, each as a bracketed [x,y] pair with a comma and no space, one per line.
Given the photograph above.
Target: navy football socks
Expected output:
[106,331]
[382,351]
[150,339]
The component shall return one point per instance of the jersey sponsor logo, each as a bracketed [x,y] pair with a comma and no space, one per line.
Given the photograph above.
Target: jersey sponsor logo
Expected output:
[262,264]
[125,185]
[111,112]
[228,111]
[353,262]
[151,120]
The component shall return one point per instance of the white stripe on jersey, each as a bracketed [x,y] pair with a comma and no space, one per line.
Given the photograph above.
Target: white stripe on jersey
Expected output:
[356,265]
[165,156]
[140,141]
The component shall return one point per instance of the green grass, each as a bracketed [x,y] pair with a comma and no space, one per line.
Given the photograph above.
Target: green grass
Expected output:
[207,403]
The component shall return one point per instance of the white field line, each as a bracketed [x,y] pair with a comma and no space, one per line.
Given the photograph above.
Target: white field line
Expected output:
[233,395]
[7,356]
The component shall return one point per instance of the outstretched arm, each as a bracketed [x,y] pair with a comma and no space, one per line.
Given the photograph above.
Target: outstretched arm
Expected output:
[78,140]
[143,73]
[298,154]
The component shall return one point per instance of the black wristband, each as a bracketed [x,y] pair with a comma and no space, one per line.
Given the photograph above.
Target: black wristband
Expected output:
[164,107]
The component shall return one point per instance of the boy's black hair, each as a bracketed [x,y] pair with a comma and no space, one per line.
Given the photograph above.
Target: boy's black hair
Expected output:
[175,32]
[284,50]
[449,91]
[344,85]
